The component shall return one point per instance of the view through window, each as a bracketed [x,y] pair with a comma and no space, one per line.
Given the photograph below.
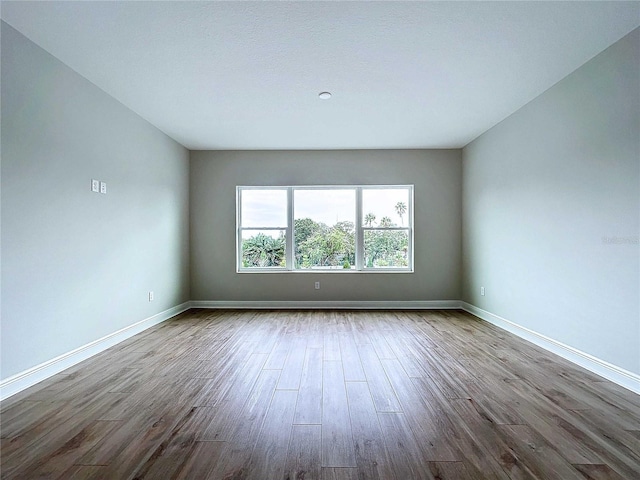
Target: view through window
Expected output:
[337,228]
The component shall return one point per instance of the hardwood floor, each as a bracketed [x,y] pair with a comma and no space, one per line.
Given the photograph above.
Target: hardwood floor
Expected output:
[331,395]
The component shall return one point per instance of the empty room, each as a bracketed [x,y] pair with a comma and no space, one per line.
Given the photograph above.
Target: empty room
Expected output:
[320,240]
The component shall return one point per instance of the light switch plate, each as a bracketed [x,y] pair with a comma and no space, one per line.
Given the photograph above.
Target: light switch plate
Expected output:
[95,185]
[103,187]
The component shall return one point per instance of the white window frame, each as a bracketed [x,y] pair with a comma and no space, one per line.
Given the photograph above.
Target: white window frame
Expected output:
[359,231]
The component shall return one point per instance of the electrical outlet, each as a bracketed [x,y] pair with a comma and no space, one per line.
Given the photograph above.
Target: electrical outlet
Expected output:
[151,296]
[103,187]
[482,291]
[317,285]
[95,185]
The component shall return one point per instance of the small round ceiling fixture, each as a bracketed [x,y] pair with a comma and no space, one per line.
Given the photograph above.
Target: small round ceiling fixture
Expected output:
[324,95]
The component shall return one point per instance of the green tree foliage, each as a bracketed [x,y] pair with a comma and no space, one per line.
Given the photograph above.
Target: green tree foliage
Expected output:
[385,248]
[320,245]
[303,229]
[327,246]
[263,251]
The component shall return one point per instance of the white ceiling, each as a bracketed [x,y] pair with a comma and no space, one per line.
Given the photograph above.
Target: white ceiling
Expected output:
[246,75]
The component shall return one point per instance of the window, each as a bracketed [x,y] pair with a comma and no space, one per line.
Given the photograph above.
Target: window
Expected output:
[324,228]
[386,243]
[264,226]
[337,228]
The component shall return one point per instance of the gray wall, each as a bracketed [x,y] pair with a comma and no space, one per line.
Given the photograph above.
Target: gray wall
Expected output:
[436,175]
[77,265]
[551,202]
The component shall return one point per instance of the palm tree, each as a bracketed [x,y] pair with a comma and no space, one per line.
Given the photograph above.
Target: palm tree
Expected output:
[385,222]
[401,209]
[273,251]
[369,218]
[263,251]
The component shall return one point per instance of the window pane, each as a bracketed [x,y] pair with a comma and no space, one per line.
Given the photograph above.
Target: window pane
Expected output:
[263,248]
[385,207]
[264,208]
[324,228]
[386,249]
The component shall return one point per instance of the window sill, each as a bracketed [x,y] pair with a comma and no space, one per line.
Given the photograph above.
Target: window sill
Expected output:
[324,271]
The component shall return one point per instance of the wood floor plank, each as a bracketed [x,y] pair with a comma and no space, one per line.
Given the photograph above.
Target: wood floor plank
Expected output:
[602,404]
[597,472]
[268,334]
[408,360]
[229,422]
[202,461]
[330,473]
[337,439]
[430,426]
[614,452]
[406,455]
[238,389]
[133,455]
[496,403]
[292,370]
[618,393]
[450,470]
[63,458]
[53,430]
[634,433]
[278,355]
[269,456]
[83,472]
[615,442]
[372,459]
[47,390]
[122,458]
[360,323]
[540,420]
[248,424]
[332,346]
[540,458]
[433,367]
[304,458]
[24,416]
[284,394]
[351,364]
[309,405]
[171,454]
[384,397]
[380,344]
[488,452]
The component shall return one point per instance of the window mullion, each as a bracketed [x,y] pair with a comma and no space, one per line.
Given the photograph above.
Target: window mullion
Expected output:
[290,225]
[411,231]
[359,232]
[238,226]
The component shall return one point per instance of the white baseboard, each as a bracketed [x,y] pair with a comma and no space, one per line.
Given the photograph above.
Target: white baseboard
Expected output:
[622,377]
[16,383]
[340,305]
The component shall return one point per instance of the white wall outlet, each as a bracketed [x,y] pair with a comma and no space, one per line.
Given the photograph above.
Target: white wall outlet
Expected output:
[317,285]
[103,187]
[482,291]
[151,296]
[95,185]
